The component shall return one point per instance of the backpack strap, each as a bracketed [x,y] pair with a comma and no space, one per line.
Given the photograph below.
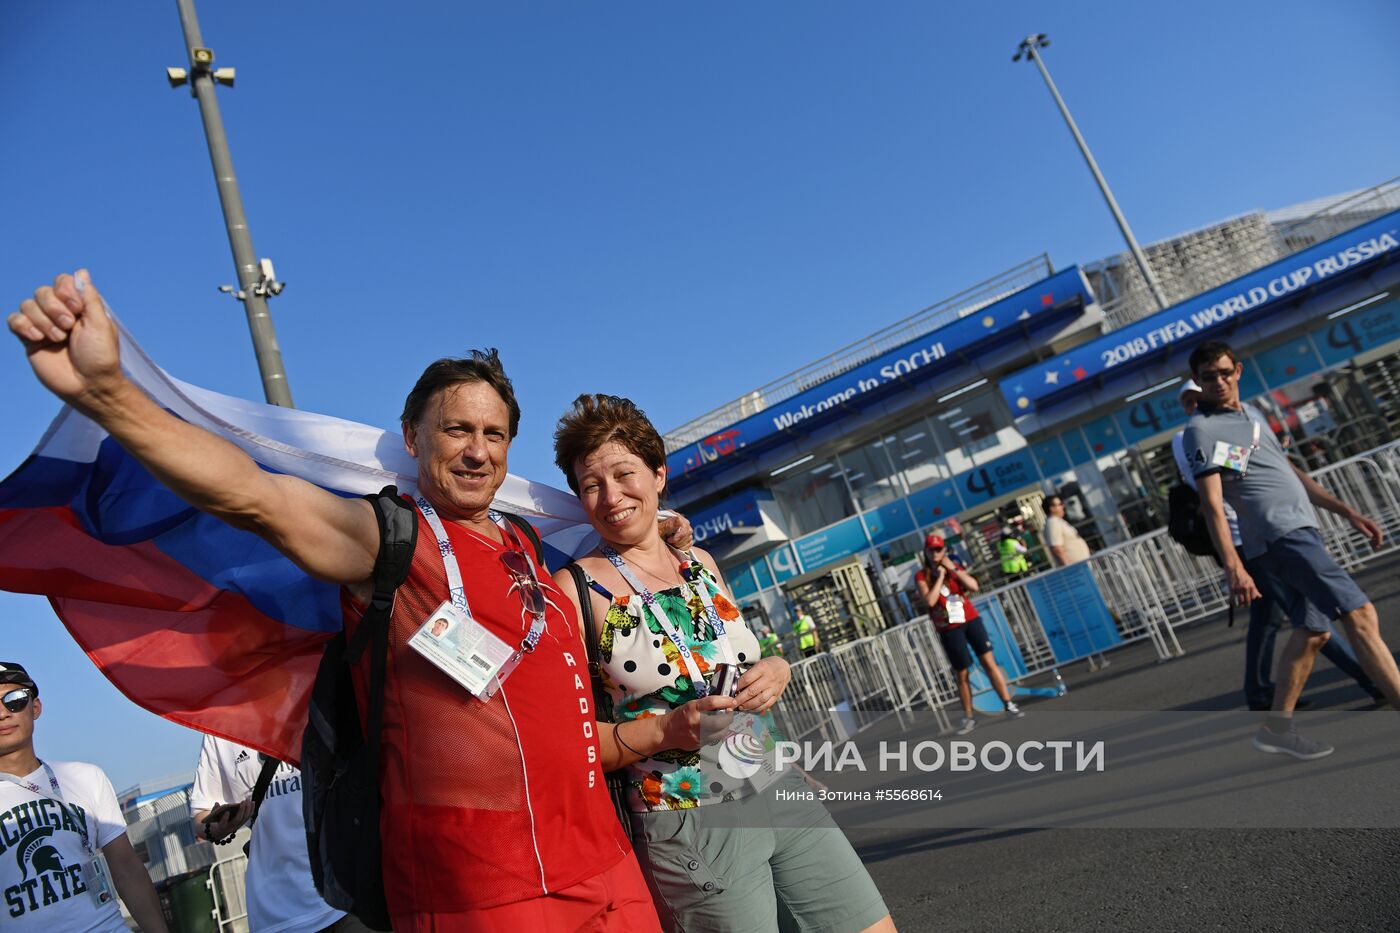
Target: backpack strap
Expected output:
[530,532]
[398,537]
[269,768]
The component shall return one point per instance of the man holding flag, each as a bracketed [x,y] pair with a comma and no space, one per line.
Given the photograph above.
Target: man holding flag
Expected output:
[495,814]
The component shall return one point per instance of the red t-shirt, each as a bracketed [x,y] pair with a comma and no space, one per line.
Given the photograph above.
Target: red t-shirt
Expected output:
[487,803]
[938,601]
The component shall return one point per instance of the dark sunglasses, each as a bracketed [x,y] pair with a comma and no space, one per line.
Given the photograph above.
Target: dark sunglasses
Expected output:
[521,570]
[16,700]
[1213,375]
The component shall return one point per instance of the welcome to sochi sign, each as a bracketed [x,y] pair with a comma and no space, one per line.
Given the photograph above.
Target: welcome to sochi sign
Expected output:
[1192,320]
[919,358]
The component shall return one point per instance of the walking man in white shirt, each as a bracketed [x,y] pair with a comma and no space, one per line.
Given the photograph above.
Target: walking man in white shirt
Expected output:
[280,892]
[64,854]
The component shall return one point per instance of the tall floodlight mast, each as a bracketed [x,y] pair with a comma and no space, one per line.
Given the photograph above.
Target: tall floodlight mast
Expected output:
[1028,49]
[256,278]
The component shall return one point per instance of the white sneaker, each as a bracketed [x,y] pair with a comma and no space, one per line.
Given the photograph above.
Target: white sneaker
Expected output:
[1014,711]
[968,724]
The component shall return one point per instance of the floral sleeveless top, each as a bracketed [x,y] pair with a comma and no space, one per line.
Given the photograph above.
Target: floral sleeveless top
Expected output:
[644,676]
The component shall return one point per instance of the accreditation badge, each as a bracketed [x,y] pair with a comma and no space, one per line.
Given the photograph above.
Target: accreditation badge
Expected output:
[1231,457]
[96,877]
[957,614]
[465,650]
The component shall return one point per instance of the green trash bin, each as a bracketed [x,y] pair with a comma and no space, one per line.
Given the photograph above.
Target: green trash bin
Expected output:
[192,903]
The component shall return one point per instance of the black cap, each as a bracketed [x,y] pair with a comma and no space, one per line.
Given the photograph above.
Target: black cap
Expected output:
[12,673]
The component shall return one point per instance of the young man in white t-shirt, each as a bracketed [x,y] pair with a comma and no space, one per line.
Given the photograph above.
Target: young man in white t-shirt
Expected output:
[281,895]
[64,854]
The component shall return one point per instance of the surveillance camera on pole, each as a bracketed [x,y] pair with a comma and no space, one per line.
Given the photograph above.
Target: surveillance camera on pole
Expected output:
[256,281]
[1028,49]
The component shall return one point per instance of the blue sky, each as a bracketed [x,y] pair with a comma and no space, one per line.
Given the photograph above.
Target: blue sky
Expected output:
[672,202]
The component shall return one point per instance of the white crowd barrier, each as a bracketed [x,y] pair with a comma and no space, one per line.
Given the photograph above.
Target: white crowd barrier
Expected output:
[226,881]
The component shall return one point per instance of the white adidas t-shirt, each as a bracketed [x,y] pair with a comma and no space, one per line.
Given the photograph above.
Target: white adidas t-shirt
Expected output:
[281,895]
[43,865]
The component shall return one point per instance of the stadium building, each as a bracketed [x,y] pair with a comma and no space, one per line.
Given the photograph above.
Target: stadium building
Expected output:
[817,488]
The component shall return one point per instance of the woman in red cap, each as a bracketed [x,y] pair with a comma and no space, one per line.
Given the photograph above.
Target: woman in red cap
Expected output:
[945,586]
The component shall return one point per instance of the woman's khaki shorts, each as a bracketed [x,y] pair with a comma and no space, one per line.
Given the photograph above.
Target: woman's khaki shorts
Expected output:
[755,865]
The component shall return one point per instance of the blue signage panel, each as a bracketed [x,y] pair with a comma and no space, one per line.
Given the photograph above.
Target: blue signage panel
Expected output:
[783,563]
[997,478]
[831,544]
[762,574]
[1251,383]
[935,503]
[1074,445]
[1102,435]
[741,581]
[1050,456]
[1072,611]
[1195,318]
[740,511]
[1338,341]
[1145,417]
[918,358]
[1004,648]
[1287,362]
[889,521]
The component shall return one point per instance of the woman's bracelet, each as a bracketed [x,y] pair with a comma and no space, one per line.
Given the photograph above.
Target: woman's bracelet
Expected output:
[617,734]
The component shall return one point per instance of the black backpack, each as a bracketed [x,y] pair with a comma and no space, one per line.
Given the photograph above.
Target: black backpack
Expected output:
[1186,523]
[339,759]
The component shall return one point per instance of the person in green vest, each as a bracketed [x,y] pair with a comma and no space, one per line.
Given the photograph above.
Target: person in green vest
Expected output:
[1012,551]
[808,641]
[769,645]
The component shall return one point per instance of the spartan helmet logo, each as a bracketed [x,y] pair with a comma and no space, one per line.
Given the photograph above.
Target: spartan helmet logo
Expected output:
[35,851]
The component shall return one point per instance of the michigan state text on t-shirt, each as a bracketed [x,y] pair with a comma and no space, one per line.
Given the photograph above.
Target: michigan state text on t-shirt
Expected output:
[48,874]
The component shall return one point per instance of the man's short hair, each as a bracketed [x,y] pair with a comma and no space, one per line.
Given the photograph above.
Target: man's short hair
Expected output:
[482,366]
[1209,352]
[596,420]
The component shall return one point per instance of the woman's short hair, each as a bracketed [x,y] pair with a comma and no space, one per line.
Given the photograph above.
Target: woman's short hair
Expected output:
[595,420]
[482,366]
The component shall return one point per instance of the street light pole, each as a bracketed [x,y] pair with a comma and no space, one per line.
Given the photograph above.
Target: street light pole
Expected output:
[1028,48]
[256,280]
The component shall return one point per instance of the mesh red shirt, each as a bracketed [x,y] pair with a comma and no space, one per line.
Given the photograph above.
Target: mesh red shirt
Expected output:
[938,602]
[487,803]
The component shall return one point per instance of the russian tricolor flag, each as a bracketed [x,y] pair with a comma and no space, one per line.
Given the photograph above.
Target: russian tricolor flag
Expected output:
[192,619]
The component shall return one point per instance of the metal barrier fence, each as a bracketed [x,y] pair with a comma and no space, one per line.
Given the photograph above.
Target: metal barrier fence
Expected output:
[226,881]
[1150,585]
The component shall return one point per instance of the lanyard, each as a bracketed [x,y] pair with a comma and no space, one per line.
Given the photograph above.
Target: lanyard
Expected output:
[458,593]
[57,795]
[649,602]
[693,571]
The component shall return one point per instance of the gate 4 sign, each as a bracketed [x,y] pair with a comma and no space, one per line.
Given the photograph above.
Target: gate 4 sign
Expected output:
[1001,476]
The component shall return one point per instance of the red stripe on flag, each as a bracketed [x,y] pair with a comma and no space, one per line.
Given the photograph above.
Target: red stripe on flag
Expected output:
[46,551]
[227,669]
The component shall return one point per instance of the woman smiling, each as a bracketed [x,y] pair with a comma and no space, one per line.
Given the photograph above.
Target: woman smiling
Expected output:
[700,776]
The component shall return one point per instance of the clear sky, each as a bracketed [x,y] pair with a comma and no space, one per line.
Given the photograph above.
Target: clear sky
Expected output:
[674,202]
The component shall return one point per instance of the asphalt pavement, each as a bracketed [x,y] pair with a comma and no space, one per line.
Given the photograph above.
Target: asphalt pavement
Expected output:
[1157,876]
